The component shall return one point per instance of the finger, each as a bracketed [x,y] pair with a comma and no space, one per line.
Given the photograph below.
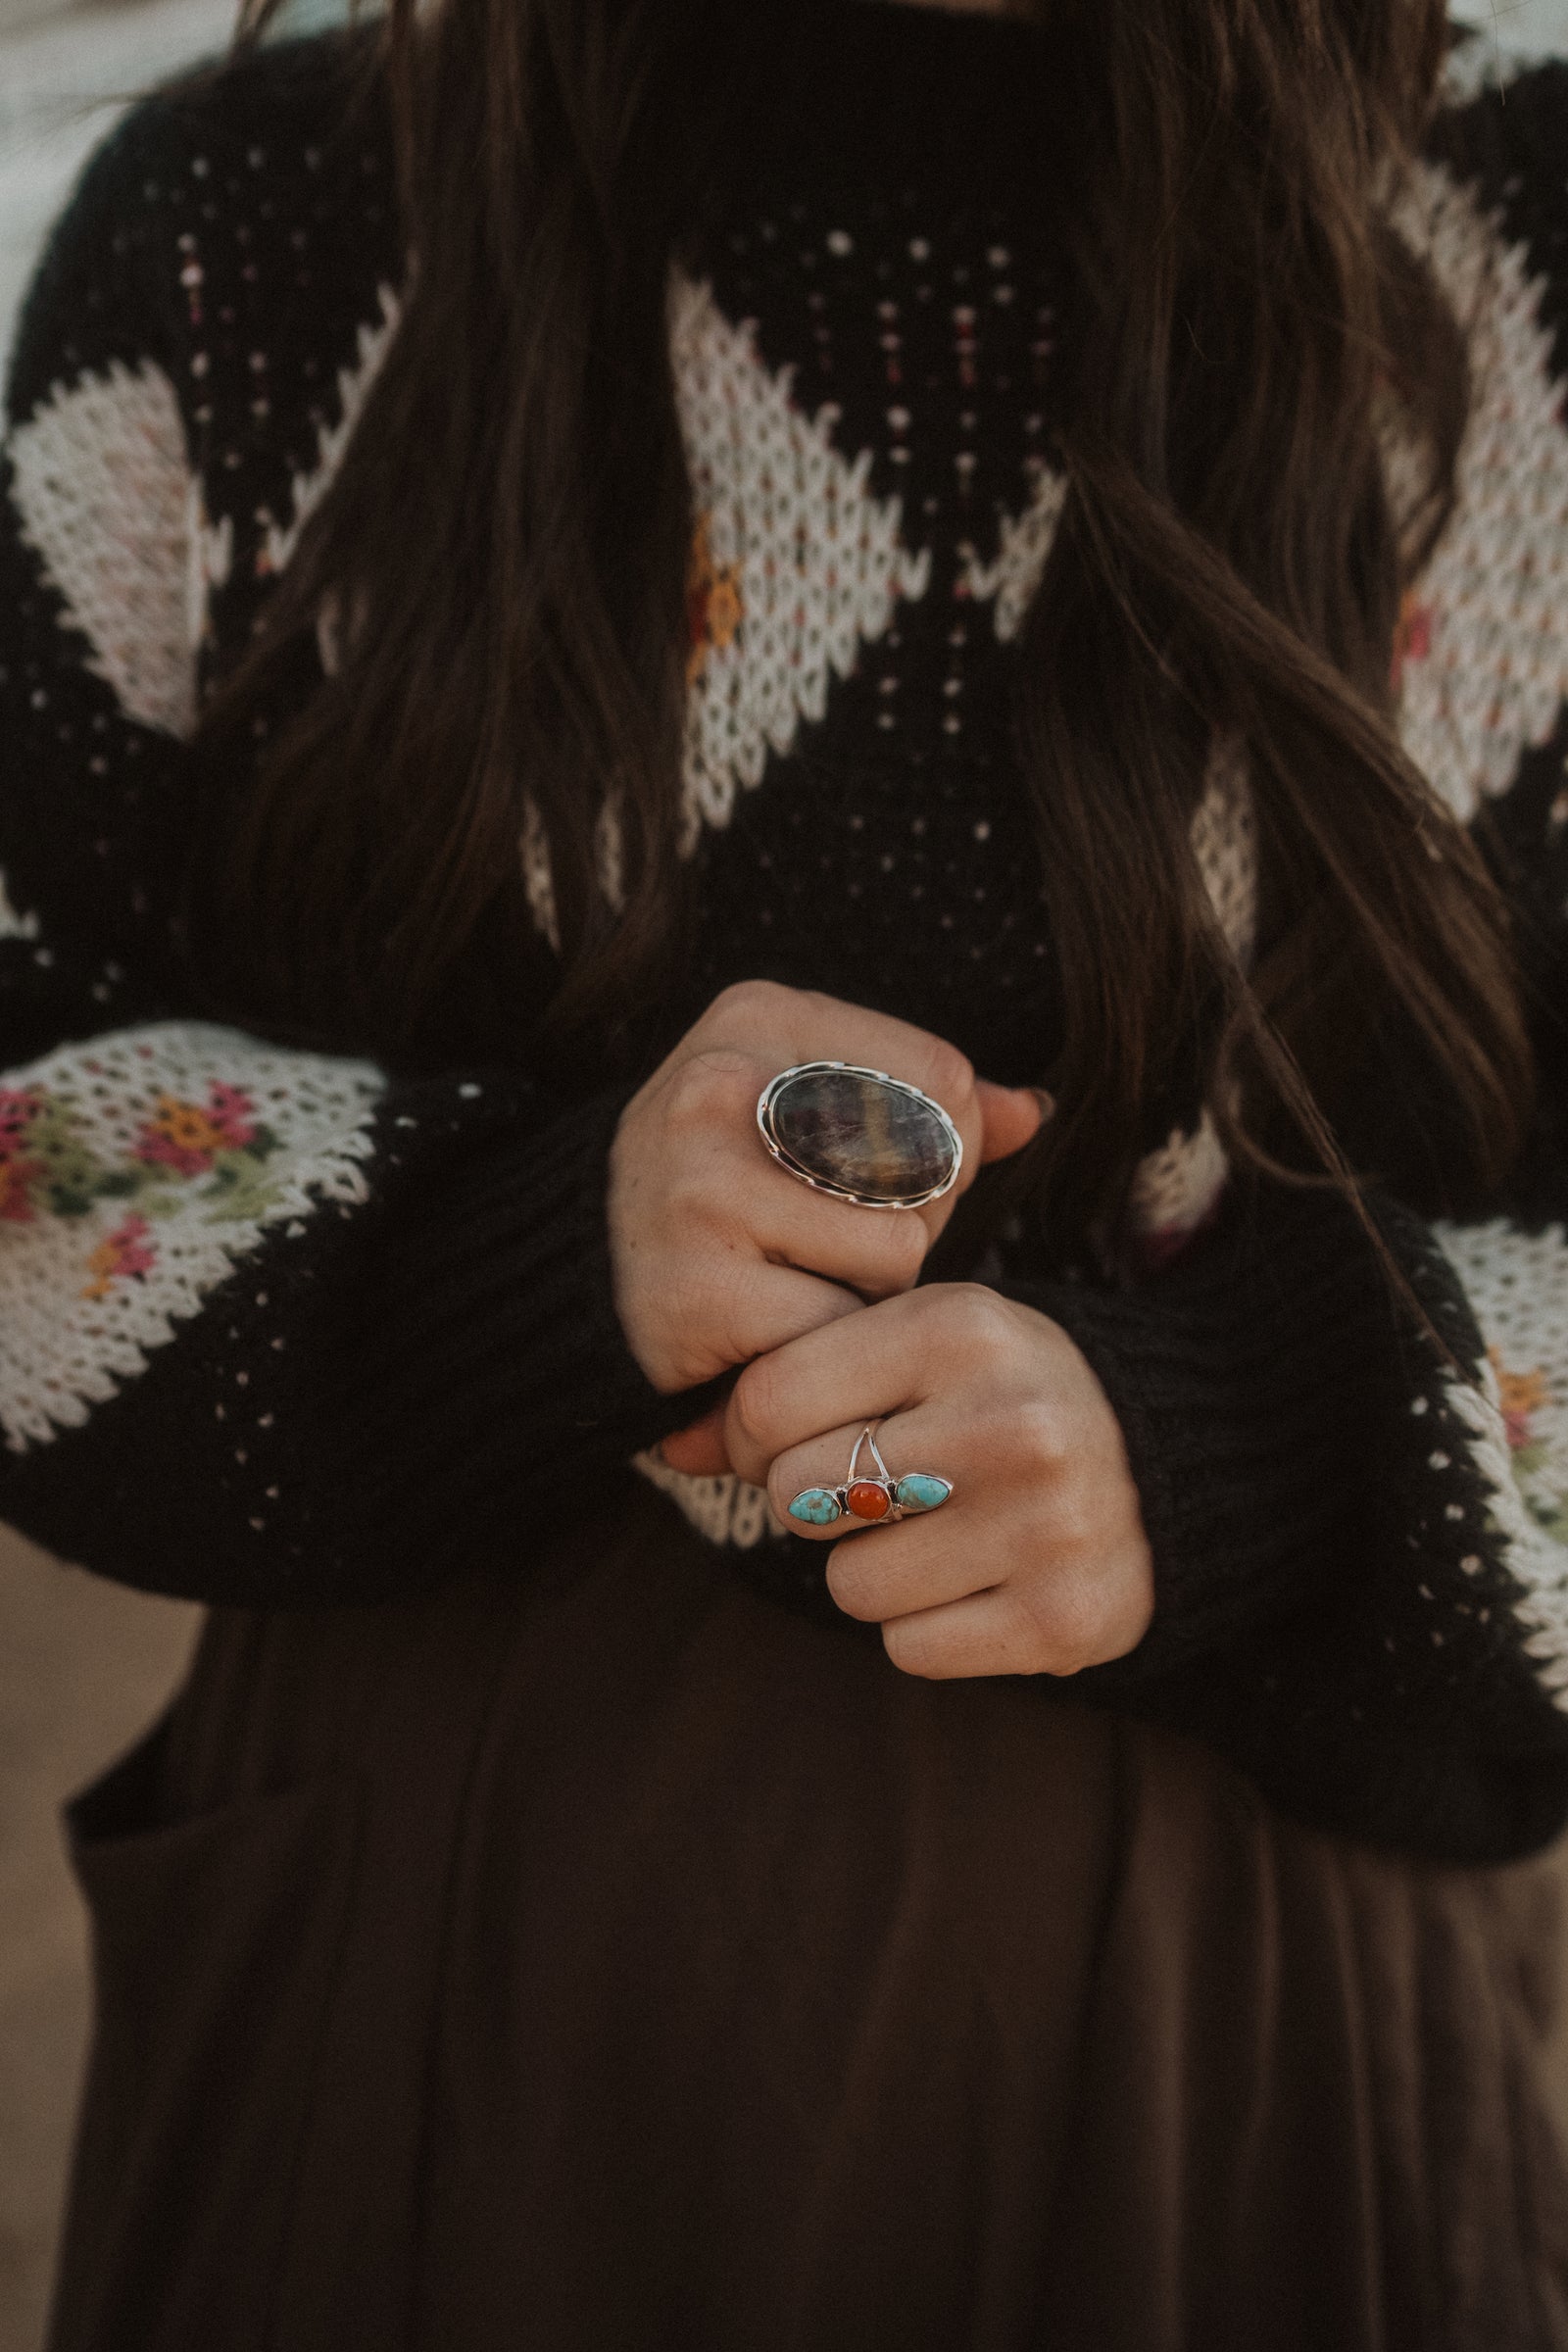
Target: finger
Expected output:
[885,1360]
[916,1565]
[984,1634]
[699,1451]
[793,1393]
[1010,1116]
[878,1252]
[778,1306]
[810,1026]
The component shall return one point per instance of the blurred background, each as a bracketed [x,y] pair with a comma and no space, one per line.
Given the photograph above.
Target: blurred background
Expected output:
[83,1665]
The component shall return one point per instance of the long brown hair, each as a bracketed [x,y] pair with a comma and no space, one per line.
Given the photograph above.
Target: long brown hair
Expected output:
[511,528]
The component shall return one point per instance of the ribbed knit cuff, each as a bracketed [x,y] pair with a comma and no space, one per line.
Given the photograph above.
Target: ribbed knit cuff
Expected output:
[492,1364]
[1254,1381]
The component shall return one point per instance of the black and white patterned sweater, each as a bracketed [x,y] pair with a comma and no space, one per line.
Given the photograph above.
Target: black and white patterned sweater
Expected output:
[281,1327]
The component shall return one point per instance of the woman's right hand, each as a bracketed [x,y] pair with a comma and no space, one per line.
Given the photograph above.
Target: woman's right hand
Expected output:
[718,1253]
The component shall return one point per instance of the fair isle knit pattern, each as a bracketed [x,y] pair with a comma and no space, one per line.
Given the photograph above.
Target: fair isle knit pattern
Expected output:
[285,1325]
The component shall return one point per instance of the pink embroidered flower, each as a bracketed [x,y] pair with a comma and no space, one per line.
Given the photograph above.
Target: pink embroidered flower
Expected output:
[1153,1248]
[1154,1252]
[119,1254]
[19,1108]
[233,1114]
[1412,636]
[17,1176]
[186,1137]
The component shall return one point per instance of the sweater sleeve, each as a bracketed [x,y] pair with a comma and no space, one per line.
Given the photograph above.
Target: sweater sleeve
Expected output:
[274,1325]
[1361,1578]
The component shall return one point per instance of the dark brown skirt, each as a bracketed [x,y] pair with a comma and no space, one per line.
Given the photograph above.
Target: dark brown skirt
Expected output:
[609,1961]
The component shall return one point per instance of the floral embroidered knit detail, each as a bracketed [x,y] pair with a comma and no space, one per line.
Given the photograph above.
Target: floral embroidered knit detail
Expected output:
[207,1139]
[1518,1284]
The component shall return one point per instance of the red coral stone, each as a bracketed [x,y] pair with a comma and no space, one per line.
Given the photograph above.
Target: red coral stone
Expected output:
[867,1500]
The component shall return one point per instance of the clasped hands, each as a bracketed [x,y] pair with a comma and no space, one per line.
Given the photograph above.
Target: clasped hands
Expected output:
[1039,1563]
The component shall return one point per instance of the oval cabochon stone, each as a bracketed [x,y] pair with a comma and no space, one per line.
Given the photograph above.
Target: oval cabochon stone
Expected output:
[861,1133]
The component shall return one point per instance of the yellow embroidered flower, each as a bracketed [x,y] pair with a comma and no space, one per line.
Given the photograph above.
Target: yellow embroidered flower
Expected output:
[181,1135]
[714,608]
[1522,1393]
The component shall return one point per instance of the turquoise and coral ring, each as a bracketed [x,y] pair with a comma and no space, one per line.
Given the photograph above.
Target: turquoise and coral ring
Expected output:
[871,1500]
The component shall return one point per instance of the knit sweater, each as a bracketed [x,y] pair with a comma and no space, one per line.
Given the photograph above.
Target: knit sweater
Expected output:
[284,1327]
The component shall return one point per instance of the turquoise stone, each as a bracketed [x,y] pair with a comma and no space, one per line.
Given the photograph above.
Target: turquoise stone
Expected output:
[920,1491]
[819,1506]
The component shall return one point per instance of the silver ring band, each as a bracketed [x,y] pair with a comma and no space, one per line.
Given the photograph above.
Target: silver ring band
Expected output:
[871,1502]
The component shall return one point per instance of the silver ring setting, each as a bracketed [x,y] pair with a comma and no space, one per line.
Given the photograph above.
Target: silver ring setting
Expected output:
[871,1502]
[860,1135]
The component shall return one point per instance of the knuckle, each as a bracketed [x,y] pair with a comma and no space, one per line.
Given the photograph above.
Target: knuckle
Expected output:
[972,1320]
[910,1649]
[691,1210]
[949,1075]
[904,1244]
[748,1004]
[755,1402]
[708,1089]
[1036,1431]
[1129,1620]
[851,1588]
[738,1288]
[1064,1619]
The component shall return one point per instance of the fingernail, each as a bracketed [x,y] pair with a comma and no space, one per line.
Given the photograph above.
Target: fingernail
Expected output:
[1046,1103]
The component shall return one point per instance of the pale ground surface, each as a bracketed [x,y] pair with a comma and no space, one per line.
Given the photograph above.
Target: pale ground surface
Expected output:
[85,1665]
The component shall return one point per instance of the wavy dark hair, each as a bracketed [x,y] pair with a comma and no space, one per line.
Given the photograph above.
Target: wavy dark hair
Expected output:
[511,528]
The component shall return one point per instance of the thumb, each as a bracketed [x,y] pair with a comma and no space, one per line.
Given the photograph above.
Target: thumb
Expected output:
[1011,1117]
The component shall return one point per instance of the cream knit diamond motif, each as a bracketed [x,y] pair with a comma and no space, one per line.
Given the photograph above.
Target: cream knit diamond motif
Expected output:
[110,506]
[1483,652]
[1484,666]
[813,563]
[797,565]
[137,1173]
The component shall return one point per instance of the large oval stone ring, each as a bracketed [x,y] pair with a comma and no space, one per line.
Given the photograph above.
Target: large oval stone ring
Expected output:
[871,1500]
[860,1135]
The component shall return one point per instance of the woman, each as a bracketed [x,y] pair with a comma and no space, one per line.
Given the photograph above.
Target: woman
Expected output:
[768,1770]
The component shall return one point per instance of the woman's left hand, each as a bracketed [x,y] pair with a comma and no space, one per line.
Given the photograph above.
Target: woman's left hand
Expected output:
[1038,1562]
